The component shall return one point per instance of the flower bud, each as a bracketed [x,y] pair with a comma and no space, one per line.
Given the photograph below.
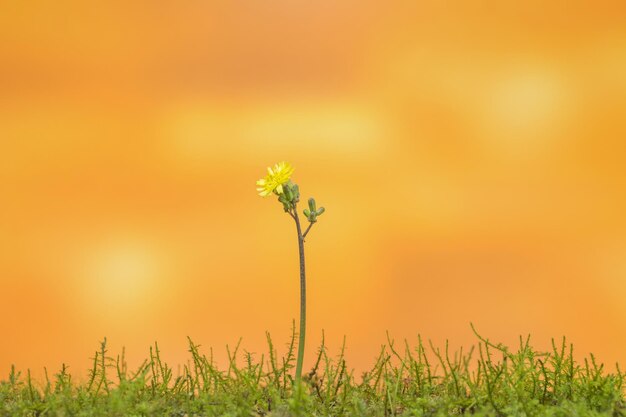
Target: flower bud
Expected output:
[320,211]
[312,204]
[307,213]
[282,198]
[288,192]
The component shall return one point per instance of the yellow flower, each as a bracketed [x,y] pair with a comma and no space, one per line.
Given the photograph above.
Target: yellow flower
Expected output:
[275,179]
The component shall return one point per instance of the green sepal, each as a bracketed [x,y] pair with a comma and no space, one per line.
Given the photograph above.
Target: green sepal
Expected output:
[282,198]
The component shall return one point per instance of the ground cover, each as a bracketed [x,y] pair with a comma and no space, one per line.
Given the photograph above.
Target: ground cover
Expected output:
[423,380]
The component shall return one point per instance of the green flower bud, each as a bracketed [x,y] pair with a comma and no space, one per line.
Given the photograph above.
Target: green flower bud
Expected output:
[282,198]
[307,213]
[288,192]
[320,211]
[312,204]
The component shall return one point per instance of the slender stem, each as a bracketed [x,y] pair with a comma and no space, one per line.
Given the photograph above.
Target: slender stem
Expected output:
[306,232]
[302,298]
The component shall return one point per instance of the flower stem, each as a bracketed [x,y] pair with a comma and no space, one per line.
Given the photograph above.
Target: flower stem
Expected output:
[306,232]
[302,333]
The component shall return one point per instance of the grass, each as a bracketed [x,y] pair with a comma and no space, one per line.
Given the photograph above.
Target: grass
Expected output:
[488,380]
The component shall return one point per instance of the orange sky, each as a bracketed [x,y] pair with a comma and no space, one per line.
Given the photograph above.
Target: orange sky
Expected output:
[472,160]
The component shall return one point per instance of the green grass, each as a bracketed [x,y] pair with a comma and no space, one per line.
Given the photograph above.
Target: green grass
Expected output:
[488,380]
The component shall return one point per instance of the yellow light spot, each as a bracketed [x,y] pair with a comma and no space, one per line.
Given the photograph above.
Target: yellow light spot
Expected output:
[196,132]
[525,101]
[120,276]
[316,127]
[526,111]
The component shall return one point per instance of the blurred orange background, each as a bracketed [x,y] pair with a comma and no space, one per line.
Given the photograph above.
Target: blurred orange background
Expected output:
[471,157]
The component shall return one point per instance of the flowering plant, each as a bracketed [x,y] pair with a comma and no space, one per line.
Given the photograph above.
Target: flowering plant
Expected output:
[278,182]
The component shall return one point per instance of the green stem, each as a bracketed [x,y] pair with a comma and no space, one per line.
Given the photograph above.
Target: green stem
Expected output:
[302,299]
